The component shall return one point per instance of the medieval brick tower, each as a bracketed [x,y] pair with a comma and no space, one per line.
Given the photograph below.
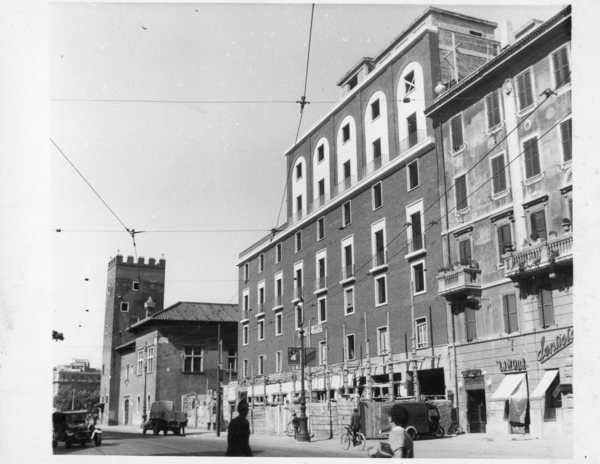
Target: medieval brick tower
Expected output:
[134,290]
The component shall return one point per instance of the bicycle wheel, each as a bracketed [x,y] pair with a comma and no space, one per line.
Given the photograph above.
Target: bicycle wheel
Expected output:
[346,440]
[361,441]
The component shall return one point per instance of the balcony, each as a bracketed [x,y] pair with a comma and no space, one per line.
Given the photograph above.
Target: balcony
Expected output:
[278,301]
[347,273]
[416,244]
[298,293]
[459,280]
[319,201]
[260,308]
[375,165]
[245,314]
[345,185]
[546,256]
[413,139]
[320,284]
[380,261]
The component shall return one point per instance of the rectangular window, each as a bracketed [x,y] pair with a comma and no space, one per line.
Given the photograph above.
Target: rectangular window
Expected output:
[380,290]
[537,221]
[278,361]
[375,110]
[278,323]
[498,174]
[413,175]
[409,83]
[321,271]
[532,158]
[231,359]
[505,244]
[299,316]
[278,253]
[150,359]
[460,187]
[346,133]
[382,341]
[299,203]
[545,307]
[246,304]
[192,359]
[279,289]
[135,286]
[377,198]
[260,326]
[471,323]
[245,334]
[511,319]
[298,241]
[320,153]
[321,191]
[346,214]
[350,347]
[323,352]
[140,363]
[124,306]
[349,300]
[464,250]
[421,329]
[560,64]
[245,368]
[492,104]
[378,244]
[418,271]
[524,90]
[347,167]
[321,229]
[298,170]
[566,137]
[261,364]
[298,281]
[411,124]
[456,132]
[347,260]
[416,232]
[246,272]
[322,310]
[377,153]
[261,262]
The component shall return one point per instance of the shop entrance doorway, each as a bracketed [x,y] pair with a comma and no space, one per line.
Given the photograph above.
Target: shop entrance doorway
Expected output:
[476,414]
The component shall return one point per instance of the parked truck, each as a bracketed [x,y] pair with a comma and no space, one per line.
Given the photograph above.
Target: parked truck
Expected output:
[163,417]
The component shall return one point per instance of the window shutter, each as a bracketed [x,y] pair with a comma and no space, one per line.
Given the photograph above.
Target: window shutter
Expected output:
[538,224]
[561,67]
[457,135]
[525,91]
[493,110]
[461,192]
[565,131]
[464,250]
[471,324]
[546,307]
[499,174]
[532,158]
[510,313]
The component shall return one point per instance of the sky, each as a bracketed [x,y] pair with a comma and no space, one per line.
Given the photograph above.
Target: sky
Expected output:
[178,116]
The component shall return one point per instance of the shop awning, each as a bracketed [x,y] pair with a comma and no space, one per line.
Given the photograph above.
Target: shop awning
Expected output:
[547,379]
[508,386]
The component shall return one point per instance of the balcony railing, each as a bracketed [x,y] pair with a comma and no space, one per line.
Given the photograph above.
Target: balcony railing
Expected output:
[245,314]
[298,292]
[345,185]
[347,272]
[260,308]
[412,140]
[539,256]
[319,201]
[380,258]
[416,243]
[321,283]
[459,280]
[375,165]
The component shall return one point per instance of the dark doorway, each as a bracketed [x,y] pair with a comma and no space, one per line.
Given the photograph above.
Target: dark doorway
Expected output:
[431,382]
[476,415]
[126,418]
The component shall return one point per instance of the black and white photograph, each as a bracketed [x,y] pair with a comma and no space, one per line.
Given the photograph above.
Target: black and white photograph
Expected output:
[303,230]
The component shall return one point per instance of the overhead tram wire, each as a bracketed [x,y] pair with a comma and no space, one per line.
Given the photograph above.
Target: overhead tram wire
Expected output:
[302,102]
[131,232]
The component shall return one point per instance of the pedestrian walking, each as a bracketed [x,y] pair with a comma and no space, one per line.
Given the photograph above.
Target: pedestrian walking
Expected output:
[238,435]
[295,423]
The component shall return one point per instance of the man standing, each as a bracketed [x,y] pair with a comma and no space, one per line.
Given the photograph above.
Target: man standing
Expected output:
[238,435]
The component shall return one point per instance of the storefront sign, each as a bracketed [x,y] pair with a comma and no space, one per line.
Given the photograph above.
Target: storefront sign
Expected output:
[474,383]
[551,347]
[315,329]
[512,365]
[471,373]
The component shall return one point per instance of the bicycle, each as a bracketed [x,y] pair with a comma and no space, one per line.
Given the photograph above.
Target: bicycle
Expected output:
[357,439]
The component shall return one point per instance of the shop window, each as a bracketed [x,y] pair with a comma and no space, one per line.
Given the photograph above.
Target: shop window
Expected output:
[553,399]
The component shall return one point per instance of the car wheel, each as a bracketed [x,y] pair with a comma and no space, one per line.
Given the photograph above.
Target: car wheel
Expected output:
[440,432]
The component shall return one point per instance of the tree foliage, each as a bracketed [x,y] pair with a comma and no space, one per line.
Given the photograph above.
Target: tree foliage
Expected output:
[74,397]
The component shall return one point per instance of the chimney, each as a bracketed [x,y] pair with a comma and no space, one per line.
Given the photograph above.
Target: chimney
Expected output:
[507,36]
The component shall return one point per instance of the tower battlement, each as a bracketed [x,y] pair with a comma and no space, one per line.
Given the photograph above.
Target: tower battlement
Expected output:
[141,261]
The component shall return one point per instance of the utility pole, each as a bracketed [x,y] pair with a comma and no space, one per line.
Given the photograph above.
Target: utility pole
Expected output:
[302,426]
[219,399]
[144,415]
[414,344]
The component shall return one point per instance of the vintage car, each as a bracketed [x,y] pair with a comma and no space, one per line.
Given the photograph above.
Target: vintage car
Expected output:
[75,427]
[163,417]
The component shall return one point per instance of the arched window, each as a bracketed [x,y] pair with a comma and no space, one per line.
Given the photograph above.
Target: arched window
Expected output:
[376,133]
[411,107]
[321,182]
[347,172]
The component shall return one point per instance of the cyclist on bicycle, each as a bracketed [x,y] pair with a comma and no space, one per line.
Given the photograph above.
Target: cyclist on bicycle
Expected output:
[355,425]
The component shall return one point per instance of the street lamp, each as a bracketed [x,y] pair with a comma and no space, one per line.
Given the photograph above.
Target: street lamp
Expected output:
[302,419]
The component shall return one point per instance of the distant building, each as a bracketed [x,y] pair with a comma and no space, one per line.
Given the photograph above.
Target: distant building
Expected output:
[505,138]
[170,354]
[76,376]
